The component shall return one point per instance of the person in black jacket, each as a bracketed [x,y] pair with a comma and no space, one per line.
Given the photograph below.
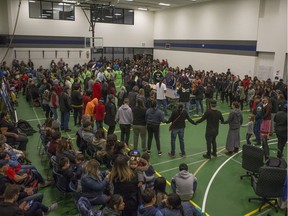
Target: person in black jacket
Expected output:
[280,120]
[208,95]
[110,114]
[65,107]
[213,116]
[184,93]
[77,104]
[139,124]
[177,127]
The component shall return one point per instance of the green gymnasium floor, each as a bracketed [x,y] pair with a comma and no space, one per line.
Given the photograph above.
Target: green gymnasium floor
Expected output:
[227,194]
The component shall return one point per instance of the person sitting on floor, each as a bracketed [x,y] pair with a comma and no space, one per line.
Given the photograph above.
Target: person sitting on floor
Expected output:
[184,183]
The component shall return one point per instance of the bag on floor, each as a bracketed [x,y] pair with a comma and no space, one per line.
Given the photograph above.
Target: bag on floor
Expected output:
[25,127]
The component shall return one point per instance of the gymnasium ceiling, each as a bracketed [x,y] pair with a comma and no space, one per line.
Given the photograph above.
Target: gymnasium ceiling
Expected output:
[150,5]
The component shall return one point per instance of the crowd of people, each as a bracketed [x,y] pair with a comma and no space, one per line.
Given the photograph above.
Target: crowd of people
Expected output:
[132,94]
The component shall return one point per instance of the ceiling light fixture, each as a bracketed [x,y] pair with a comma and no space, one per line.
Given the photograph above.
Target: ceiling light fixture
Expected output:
[70,1]
[129,0]
[164,4]
[143,9]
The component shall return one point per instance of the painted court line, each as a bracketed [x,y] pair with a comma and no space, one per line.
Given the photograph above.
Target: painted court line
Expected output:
[211,181]
[164,171]
[214,176]
[159,175]
[187,156]
[191,201]
[37,118]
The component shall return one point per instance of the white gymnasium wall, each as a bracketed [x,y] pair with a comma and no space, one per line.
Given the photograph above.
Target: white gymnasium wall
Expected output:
[219,20]
[36,55]
[114,35]
[239,65]
[214,20]
[272,34]
[3,17]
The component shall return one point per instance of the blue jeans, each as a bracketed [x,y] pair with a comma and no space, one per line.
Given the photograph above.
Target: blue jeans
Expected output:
[65,117]
[164,103]
[256,130]
[99,124]
[180,133]
[199,103]
[54,111]
[187,106]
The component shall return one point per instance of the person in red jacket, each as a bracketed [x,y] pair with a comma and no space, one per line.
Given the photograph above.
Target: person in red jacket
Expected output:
[97,90]
[86,98]
[99,113]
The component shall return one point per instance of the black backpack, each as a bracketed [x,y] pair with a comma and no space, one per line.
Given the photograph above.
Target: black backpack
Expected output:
[25,127]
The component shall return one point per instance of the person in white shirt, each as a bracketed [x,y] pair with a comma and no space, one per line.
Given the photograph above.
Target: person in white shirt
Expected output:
[161,96]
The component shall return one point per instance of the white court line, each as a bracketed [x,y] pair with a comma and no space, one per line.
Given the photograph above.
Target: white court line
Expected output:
[30,120]
[214,175]
[211,181]
[181,158]
[37,118]
[232,159]
[164,171]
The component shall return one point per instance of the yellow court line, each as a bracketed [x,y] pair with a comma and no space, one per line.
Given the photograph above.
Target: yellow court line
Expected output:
[200,167]
[191,201]
[257,210]
[159,175]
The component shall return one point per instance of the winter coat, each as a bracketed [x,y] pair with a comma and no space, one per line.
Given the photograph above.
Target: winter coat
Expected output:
[110,114]
[235,119]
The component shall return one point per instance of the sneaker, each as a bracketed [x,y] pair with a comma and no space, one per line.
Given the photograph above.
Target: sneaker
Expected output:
[195,115]
[171,155]
[236,150]
[214,154]
[52,207]
[207,156]
[182,155]
[149,151]
[159,153]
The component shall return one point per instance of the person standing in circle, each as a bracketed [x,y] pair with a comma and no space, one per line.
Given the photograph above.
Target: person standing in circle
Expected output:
[154,117]
[178,118]
[213,116]
[235,120]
